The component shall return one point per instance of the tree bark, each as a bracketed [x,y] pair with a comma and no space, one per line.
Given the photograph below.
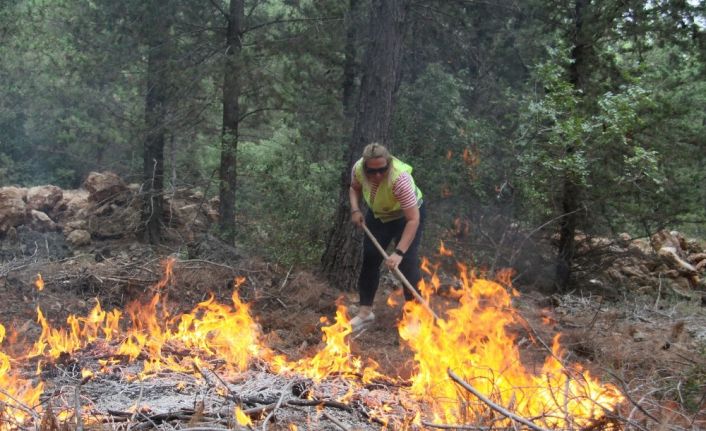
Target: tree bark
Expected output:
[571,189]
[157,32]
[231,120]
[380,73]
[349,65]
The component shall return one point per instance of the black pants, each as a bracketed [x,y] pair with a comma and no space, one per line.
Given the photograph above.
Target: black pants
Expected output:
[384,233]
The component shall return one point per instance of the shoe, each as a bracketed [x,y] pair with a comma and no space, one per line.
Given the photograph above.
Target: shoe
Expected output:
[359,323]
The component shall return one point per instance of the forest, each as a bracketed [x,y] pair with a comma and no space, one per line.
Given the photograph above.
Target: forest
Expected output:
[194,148]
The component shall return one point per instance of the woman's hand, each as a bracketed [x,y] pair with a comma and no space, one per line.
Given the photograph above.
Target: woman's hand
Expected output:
[357,218]
[393,261]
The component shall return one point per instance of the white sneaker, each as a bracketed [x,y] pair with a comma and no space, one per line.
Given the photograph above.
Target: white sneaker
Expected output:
[359,323]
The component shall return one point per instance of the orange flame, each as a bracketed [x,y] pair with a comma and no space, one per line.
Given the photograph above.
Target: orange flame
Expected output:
[211,329]
[39,282]
[471,157]
[335,358]
[443,250]
[472,340]
[15,393]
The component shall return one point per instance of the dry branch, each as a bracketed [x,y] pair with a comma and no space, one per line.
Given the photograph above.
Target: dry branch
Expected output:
[491,404]
[335,421]
[277,405]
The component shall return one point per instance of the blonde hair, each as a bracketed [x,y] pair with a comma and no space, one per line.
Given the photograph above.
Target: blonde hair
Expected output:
[375,150]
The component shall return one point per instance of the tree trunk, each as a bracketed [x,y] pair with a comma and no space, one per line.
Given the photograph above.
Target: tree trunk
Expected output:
[571,190]
[155,120]
[231,119]
[349,65]
[381,67]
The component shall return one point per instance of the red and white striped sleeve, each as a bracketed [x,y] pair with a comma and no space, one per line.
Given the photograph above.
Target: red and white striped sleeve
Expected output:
[403,189]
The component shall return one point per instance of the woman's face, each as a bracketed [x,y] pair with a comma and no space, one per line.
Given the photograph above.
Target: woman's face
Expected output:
[376,169]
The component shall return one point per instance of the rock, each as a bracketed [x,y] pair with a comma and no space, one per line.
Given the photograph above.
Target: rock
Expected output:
[41,222]
[13,210]
[73,225]
[624,239]
[134,188]
[72,202]
[113,224]
[639,336]
[79,237]
[103,186]
[44,198]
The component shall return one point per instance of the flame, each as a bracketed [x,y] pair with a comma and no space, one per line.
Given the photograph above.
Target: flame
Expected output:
[15,392]
[241,418]
[83,331]
[473,341]
[223,331]
[211,329]
[39,283]
[471,157]
[335,358]
[443,251]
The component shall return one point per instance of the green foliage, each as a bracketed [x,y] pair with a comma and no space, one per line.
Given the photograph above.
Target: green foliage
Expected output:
[591,143]
[286,201]
[435,134]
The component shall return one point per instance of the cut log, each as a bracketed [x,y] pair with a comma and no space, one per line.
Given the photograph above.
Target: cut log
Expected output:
[102,186]
[13,210]
[44,198]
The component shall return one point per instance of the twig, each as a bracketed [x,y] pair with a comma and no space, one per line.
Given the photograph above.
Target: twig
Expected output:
[206,429]
[229,392]
[492,405]
[137,405]
[286,278]
[20,405]
[595,317]
[626,392]
[460,427]
[323,403]
[79,418]
[277,405]
[205,261]
[335,421]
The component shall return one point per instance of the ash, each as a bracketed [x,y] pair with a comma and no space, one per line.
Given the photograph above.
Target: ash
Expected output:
[118,399]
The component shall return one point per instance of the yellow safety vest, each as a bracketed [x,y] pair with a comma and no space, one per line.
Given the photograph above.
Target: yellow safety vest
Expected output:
[386,207]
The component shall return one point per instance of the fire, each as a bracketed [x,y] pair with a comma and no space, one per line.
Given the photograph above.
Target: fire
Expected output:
[241,418]
[211,329]
[473,341]
[39,282]
[15,393]
[335,358]
[443,250]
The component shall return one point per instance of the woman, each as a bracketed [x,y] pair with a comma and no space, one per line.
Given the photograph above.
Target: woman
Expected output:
[396,211]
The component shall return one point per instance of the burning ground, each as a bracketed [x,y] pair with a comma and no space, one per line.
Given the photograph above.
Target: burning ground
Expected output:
[194,344]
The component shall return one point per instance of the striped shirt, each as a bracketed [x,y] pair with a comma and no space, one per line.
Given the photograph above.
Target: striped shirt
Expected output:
[402,189]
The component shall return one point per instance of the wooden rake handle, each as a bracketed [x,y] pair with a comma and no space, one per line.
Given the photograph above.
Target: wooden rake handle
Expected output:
[399,275]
